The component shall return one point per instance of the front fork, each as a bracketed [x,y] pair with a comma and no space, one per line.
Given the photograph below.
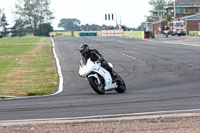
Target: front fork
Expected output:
[96,76]
[99,83]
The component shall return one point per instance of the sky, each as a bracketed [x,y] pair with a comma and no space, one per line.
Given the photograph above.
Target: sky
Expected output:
[130,12]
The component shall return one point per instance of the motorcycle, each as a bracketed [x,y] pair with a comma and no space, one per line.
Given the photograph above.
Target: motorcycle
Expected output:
[99,78]
[166,32]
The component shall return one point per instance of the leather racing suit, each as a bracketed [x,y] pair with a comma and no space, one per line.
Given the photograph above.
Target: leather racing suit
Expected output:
[96,56]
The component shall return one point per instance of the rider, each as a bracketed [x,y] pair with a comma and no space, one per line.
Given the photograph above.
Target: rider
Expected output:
[166,27]
[94,55]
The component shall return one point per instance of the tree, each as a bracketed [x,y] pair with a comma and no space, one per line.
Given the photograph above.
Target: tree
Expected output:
[19,28]
[70,24]
[33,13]
[4,24]
[158,4]
[44,30]
[168,19]
[139,27]
[92,27]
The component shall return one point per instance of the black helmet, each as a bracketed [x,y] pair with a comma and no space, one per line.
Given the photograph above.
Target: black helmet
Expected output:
[84,49]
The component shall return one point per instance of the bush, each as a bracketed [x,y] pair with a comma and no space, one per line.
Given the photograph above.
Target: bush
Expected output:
[44,30]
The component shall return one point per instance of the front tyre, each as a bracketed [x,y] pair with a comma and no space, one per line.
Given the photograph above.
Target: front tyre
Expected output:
[121,85]
[94,84]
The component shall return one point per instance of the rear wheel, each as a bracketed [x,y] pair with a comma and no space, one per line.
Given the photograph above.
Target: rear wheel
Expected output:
[98,88]
[121,85]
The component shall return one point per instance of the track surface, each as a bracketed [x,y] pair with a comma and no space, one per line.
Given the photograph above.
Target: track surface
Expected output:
[159,77]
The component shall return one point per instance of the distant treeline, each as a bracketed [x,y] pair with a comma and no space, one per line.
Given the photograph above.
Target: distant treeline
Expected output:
[74,24]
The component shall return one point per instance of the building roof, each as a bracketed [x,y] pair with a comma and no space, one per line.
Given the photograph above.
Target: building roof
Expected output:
[157,10]
[188,2]
[192,17]
[185,3]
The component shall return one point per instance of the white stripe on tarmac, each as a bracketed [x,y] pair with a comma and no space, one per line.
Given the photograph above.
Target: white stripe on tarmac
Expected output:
[110,116]
[187,44]
[133,58]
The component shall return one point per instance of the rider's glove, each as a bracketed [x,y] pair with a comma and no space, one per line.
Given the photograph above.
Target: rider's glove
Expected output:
[97,61]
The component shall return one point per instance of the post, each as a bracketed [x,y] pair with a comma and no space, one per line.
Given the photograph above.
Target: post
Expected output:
[174,9]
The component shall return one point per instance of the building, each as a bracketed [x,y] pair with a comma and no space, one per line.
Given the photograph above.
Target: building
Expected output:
[192,22]
[156,21]
[183,8]
[187,10]
[157,14]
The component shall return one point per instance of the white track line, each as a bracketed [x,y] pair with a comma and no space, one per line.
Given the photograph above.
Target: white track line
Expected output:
[187,44]
[133,58]
[110,116]
[60,86]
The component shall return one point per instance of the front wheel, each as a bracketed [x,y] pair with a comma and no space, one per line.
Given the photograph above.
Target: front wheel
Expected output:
[99,89]
[121,85]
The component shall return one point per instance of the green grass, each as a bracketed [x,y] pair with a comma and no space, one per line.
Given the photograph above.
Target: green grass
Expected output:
[28,39]
[5,66]
[9,57]
[13,50]
[27,69]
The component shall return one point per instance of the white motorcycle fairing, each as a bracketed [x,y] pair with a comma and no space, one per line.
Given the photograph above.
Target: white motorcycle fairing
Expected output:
[93,69]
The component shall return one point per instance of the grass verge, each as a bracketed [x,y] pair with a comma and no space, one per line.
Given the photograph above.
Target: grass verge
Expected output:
[27,69]
[28,39]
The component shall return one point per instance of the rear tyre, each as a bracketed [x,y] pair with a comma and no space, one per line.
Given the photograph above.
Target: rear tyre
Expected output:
[94,84]
[121,85]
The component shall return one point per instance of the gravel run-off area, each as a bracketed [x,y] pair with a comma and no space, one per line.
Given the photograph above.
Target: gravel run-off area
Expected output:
[170,123]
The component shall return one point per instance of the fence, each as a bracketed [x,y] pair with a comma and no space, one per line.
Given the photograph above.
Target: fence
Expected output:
[62,34]
[194,33]
[72,33]
[118,33]
[134,34]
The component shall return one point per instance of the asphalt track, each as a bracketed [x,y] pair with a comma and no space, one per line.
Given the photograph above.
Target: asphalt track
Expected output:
[160,78]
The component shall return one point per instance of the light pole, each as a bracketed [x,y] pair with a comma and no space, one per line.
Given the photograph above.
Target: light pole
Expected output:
[0,17]
[118,18]
[174,9]
[113,17]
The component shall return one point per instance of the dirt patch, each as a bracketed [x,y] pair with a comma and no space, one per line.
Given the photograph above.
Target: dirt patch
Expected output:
[182,123]
[45,40]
